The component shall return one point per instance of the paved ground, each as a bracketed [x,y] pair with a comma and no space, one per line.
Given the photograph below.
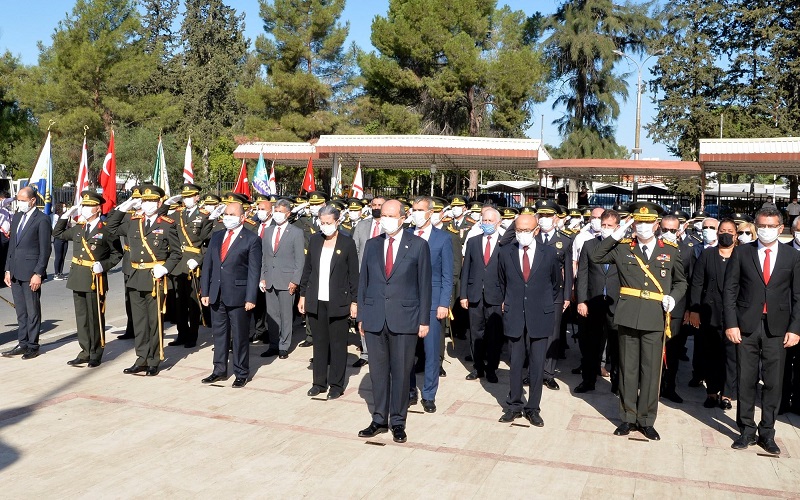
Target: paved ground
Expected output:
[69,432]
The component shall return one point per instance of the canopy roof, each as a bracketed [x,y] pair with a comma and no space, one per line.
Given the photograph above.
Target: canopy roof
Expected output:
[776,155]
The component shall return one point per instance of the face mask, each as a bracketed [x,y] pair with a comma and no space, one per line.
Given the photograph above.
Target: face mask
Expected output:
[327,229]
[376,213]
[671,237]
[458,212]
[189,202]
[262,215]
[606,231]
[709,235]
[418,216]
[767,234]
[23,206]
[546,223]
[149,207]
[525,239]
[86,213]
[488,228]
[595,223]
[231,221]
[354,215]
[315,210]
[279,217]
[746,238]
[436,218]
[725,240]
[644,231]
[390,225]
[698,226]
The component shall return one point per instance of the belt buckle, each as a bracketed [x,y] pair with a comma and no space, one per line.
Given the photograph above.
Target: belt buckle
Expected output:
[645,294]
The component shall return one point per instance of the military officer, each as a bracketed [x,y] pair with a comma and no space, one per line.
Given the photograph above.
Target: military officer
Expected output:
[155,251]
[308,222]
[651,281]
[126,272]
[353,217]
[95,251]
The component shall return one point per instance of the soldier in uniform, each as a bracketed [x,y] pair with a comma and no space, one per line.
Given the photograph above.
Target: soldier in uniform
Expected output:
[155,251]
[306,221]
[194,231]
[126,272]
[458,227]
[95,250]
[651,281]
[350,222]
[212,204]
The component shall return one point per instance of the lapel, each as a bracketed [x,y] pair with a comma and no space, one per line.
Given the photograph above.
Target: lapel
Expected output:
[284,231]
[402,250]
[718,269]
[516,259]
[337,251]
[537,259]
[754,256]
[781,256]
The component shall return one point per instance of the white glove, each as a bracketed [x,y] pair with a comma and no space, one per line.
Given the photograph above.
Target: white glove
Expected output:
[262,286]
[192,264]
[619,233]
[299,207]
[217,211]
[126,205]
[97,268]
[74,209]
[668,303]
[174,199]
[159,271]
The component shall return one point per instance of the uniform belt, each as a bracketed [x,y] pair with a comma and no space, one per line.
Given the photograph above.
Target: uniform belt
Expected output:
[82,262]
[190,249]
[146,265]
[642,294]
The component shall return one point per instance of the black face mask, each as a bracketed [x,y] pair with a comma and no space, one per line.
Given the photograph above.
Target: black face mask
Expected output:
[725,240]
[376,213]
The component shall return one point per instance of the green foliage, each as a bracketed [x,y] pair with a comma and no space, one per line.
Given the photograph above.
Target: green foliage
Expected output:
[223,167]
[17,131]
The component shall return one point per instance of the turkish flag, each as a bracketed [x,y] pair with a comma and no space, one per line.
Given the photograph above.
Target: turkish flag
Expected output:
[108,177]
[308,180]
[242,186]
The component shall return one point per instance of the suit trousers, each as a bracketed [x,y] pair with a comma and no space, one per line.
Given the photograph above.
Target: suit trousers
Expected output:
[187,314]
[88,321]
[231,325]
[146,340]
[674,350]
[486,332]
[554,345]
[261,330]
[29,313]
[280,318]
[59,254]
[721,372]
[597,332]
[536,350]
[791,380]
[390,365]
[639,374]
[330,347]
[433,361]
[757,347]
[700,357]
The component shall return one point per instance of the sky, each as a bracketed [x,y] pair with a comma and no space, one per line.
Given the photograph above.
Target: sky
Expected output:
[24,23]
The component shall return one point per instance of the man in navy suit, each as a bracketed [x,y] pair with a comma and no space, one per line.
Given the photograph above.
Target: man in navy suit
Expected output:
[229,285]
[441,247]
[394,303]
[26,267]
[530,283]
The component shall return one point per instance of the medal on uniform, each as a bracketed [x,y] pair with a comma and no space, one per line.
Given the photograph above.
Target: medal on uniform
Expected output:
[559,245]
[663,273]
[94,247]
[155,243]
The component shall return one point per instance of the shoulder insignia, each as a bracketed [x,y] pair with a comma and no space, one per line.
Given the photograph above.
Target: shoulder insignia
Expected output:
[137,216]
[670,243]
[167,219]
[250,221]
[690,244]
[626,240]
[452,229]
[204,211]
[81,223]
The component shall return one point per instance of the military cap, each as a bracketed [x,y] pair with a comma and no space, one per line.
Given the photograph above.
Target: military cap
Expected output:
[475,206]
[562,212]
[231,197]
[699,215]
[574,212]
[508,212]
[364,202]
[681,215]
[258,198]
[190,189]
[439,204]
[547,207]
[150,192]
[458,201]
[297,200]
[527,210]
[211,199]
[645,211]
[335,197]
[586,213]
[739,217]
[354,204]
[622,210]
[91,198]
[317,198]
[402,199]
[135,193]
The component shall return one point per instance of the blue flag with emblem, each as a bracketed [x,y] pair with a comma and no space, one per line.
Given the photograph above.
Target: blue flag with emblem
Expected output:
[42,176]
[260,178]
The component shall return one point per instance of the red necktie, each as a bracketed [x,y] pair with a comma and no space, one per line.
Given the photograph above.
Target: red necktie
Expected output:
[526,264]
[375,230]
[766,272]
[389,257]
[487,252]
[277,239]
[420,233]
[261,231]
[226,244]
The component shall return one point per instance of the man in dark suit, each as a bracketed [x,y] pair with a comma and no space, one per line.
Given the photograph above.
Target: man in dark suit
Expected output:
[530,284]
[761,313]
[260,330]
[480,296]
[26,269]
[790,401]
[229,284]
[394,304]
[441,249]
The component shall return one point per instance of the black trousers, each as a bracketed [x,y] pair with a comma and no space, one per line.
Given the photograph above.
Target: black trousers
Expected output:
[486,332]
[231,325]
[146,342]
[674,350]
[597,332]
[89,320]
[791,380]
[391,359]
[29,313]
[555,348]
[535,349]
[59,254]
[261,329]
[756,347]
[700,357]
[330,347]
[721,357]
[187,309]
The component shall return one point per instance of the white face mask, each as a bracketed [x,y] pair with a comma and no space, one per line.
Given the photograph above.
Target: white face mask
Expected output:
[767,234]
[189,202]
[419,218]
[746,238]
[149,207]
[709,236]
[606,231]
[23,206]
[546,223]
[279,217]
[87,212]
[644,230]
[231,221]
[390,225]
[505,223]
[575,224]
[458,212]
[327,229]
[262,215]
[595,223]
[671,237]
[354,215]
[525,239]
[436,218]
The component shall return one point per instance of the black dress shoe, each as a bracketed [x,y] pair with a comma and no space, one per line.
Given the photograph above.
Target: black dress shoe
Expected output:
[491,376]
[743,442]
[399,434]
[30,354]
[442,373]
[710,402]
[125,336]
[214,377]
[93,363]
[551,383]
[672,396]
[269,353]
[15,351]
[305,343]
[190,345]
[534,418]
[373,430]
[725,404]
[334,394]
[475,375]
[583,387]
[239,382]
[413,399]
[468,358]
[428,405]
[315,391]
[283,354]
[152,371]
[135,369]
[175,342]
[77,361]
[649,432]
[510,416]
[769,446]
[360,362]
[624,429]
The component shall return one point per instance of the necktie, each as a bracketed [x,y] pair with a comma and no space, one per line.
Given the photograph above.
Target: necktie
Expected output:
[766,272]
[21,225]
[420,233]
[226,244]
[375,227]
[147,226]
[546,238]
[261,231]
[644,251]
[390,257]
[526,264]
[277,239]
[487,251]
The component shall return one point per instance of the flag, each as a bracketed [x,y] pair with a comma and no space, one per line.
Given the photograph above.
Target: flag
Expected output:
[308,180]
[260,178]
[273,188]
[336,179]
[82,183]
[42,176]
[188,171]
[242,186]
[160,178]
[358,184]
[108,177]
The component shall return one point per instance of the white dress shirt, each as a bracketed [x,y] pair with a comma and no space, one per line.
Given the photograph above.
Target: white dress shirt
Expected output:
[762,254]
[395,245]
[325,273]
[531,250]
[282,228]
[426,232]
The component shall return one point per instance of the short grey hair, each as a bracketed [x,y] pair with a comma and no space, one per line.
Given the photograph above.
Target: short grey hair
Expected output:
[795,222]
[489,208]
[424,199]
[330,210]
[284,204]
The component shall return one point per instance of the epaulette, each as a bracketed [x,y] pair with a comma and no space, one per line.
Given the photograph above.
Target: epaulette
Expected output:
[167,219]
[81,223]
[204,211]
[137,216]
[626,240]
[563,233]
[250,221]
[452,229]
[670,243]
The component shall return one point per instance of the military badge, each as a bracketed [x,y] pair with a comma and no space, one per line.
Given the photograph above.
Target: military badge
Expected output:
[559,245]
[663,273]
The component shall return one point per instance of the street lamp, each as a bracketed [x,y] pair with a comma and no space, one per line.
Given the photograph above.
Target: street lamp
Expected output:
[433,173]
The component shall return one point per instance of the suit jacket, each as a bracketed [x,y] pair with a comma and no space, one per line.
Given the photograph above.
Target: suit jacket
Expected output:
[745,293]
[440,244]
[529,304]
[29,253]
[562,245]
[101,242]
[234,280]
[707,286]
[343,280]
[594,279]
[285,266]
[361,234]
[402,300]
[479,281]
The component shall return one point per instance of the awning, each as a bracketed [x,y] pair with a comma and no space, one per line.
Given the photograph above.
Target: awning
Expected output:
[587,168]
[775,155]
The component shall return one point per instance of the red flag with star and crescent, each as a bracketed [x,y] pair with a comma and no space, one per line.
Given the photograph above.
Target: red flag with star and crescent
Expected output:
[309,184]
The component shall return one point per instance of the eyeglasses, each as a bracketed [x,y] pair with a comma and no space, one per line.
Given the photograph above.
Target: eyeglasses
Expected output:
[710,227]
[768,226]
[743,232]
[673,231]
[524,232]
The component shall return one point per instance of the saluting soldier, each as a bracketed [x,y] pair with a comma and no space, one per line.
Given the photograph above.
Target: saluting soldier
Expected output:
[126,272]
[651,279]
[155,251]
[95,250]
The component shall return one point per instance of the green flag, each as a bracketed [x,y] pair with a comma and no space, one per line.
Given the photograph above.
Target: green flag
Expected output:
[160,178]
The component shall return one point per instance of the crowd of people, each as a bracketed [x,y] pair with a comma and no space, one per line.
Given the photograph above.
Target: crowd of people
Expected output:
[399,274]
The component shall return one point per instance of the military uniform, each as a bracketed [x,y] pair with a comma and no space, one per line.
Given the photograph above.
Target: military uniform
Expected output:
[91,242]
[458,227]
